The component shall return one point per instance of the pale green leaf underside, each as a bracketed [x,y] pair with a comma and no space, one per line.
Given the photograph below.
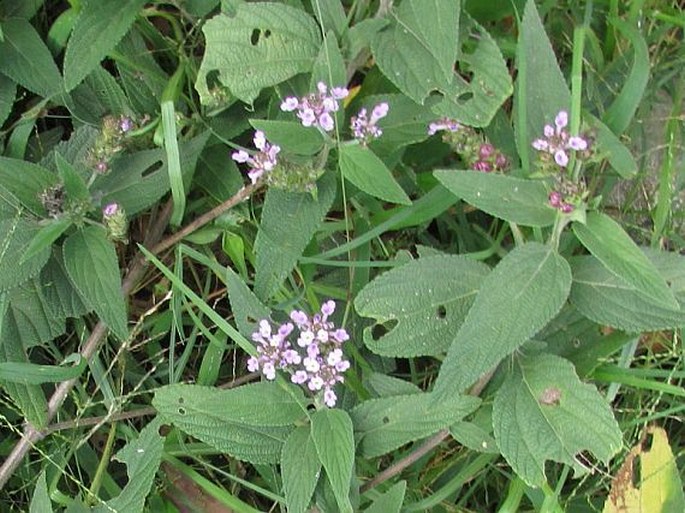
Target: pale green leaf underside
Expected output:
[612,246]
[289,221]
[390,422]
[531,427]
[603,297]
[513,199]
[261,46]
[428,297]
[93,268]
[517,299]
[205,414]
[300,469]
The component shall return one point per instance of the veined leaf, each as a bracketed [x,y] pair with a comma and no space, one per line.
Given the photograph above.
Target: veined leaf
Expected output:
[289,221]
[544,412]
[476,102]
[417,51]
[513,199]
[40,501]
[44,238]
[247,309]
[300,468]
[364,169]
[612,246]
[537,65]
[291,136]
[142,457]
[26,59]
[429,298]
[618,156]
[25,181]
[262,45]
[93,268]
[17,234]
[390,422]
[98,29]
[334,442]
[206,413]
[605,298]
[391,501]
[32,374]
[8,90]
[522,294]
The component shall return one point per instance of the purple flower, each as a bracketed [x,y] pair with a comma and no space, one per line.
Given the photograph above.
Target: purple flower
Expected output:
[486,151]
[443,124]
[555,199]
[262,161]
[110,210]
[125,124]
[481,165]
[561,158]
[577,143]
[557,141]
[319,367]
[364,128]
[315,109]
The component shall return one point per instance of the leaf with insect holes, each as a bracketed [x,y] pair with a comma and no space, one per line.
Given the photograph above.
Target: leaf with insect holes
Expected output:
[262,45]
[544,412]
[426,300]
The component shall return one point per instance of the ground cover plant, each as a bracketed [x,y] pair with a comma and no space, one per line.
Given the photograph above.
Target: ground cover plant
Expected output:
[341,255]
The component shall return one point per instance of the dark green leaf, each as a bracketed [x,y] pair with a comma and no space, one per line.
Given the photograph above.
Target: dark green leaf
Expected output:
[365,170]
[544,412]
[98,29]
[334,442]
[289,221]
[429,298]
[15,237]
[25,181]
[612,246]
[247,309]
[300,468]
[44,238]
[40,502]
[8,90]
[522,294]
[32,374]
[93,268]
[513,199]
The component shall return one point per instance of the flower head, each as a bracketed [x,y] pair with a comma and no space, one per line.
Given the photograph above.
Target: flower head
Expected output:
[318,365]
[557,142]
[364,128]
[315,109]
[262,161]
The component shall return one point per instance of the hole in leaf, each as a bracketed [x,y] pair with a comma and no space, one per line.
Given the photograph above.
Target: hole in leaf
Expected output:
[464,97]
[251,319]
[646,444]
[152,169]
[254,38]
[385,420]
[379,330]
[163,430]
[181,400]
[441,312]
[181,411]
[267,34]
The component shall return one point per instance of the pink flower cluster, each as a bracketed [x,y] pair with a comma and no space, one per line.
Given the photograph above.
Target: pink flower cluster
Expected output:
[316,109]
[364,128]
[556,200]
[557,141]
[489,159]
[262,161]
[322,364]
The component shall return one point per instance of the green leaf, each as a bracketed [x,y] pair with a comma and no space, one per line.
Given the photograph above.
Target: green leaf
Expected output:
[291,136]
[541,91]
[513,199]
[605,298]
[74,185]
[474,437]
[40,502]
[365,170]
[475,102]
[261,46]
[612,246]
[428,298]
[26,59]
[417,51]
[25,181]
[17,234]
[8,91]
[142,457]
[382,385]
[93,268]
[517,299]
[29,398]
[385,424]
[300,469]
[620,113]
[289,221]
[247,309]
[334,442]
[98,29]
[139,180]
[173,160]
[32,374]
[391,501]
[26,9]
[618,156]
[544,412]
[331,15]
[208,414]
